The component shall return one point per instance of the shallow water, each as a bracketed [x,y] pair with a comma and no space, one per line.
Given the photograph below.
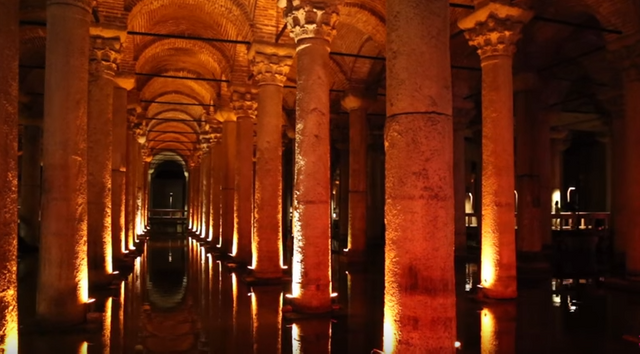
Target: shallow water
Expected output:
[179,299]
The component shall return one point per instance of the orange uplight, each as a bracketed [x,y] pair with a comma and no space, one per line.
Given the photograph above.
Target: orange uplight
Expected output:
[9,324]
[489,254]
[84,348]
[106,326]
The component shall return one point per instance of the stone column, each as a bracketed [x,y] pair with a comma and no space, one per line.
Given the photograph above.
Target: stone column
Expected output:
[10,39]
[145,190]
[228,183]
[30,183]
[629,57]
[418,138]
[197,180]
[270,66]
[245,110]
[494,29]
[62,280]
[358,143]
[190,194]
[312,25]
[118,172]
[138,180]
[461,118]
[206,198]
[527,165]
[130,220]
[216,194]
[105,53]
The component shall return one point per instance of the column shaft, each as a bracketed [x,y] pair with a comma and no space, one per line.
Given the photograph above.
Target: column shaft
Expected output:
[10,50]
[244,190]
[118,172]
[30,184]
[99,155]
[419,266]
[459,189]
[358,133]
[130,173]
[228,184]
[311,265]
[267,238]
[216,193]
[62,280]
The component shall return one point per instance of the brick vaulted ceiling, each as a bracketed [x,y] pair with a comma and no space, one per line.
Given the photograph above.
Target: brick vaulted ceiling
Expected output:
[566,44]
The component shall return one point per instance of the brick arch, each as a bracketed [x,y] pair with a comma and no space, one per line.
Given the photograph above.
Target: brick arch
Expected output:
[200,91]
[209,54]
[367,19]
[619,14]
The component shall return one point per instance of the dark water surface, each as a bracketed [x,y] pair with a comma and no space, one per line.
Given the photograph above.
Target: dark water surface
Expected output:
[181,300]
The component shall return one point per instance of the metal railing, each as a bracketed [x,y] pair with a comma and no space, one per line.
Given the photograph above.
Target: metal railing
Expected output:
[564,221]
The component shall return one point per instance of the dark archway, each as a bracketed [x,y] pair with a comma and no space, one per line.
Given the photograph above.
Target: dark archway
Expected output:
[168,186]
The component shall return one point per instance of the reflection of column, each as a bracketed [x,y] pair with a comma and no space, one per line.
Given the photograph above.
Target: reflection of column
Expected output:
[267,239]
[245,110]
[312,25]
[629,59]
[228,183]
[461,119]
[358,133]
[494,29]
[9,37]
[312,336]
[419,265]
[118,171]
[498,328]
[266,305]
[62,280]
[30,183]
[103,65]
[216,179]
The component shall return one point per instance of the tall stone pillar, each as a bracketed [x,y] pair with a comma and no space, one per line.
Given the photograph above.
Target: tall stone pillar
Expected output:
[312,25]
[494,29]
[30,183]
[270,66]
[357,107]
[103,60]
[216,194]
[129,181]
[145,190]
[62,280]
[138,182]
[197,180]
[418,136]
[527,165]
[205,172]
[190,194]
[628,56]
[118,171]
[228,183]
[245,110]
[461,118]
[10,39]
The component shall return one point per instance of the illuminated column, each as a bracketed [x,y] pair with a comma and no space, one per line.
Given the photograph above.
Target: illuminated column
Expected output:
[216,152]
[196,191]
[205,171]
[270,65]
[129,218]
[145,190]
[627,55]
[139,168]
[527,164]
[118,171]
[245,110]
[312,25]
[419,209]
[461,118]
[358,144]
[105,53]
[62,279]
[190,195]
[228,183]
[10,39]
[498,328]
[494,29]
[30,183]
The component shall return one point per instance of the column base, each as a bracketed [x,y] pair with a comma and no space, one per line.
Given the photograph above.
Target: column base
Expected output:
[498,293]
[301,308]
[254,278]
[99,280]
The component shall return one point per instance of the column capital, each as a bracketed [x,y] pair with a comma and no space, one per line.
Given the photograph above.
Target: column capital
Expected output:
[104,56]
[495,28]
[244,104]
[312,19]
[270,62]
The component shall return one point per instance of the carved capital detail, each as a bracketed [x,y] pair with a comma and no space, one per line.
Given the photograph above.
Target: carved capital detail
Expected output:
[104,56]
[244,104]
[495,28]
[270,69]
[308,19]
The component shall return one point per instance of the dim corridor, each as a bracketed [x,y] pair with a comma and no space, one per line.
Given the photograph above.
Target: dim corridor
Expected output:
[180,298]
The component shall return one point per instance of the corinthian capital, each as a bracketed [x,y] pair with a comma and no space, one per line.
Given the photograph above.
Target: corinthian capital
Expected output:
[244,104]
[104,56]
[270,63]
[495,28]
[312,19]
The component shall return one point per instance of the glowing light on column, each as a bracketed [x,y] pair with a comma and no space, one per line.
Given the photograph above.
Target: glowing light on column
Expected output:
[296,265]
[9,324]
[488,340]
[391,305]
[106,326]
[296,343]
[84,347]
[82,277]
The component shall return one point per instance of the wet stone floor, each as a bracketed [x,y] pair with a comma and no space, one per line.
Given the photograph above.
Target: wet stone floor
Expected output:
[180,299]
